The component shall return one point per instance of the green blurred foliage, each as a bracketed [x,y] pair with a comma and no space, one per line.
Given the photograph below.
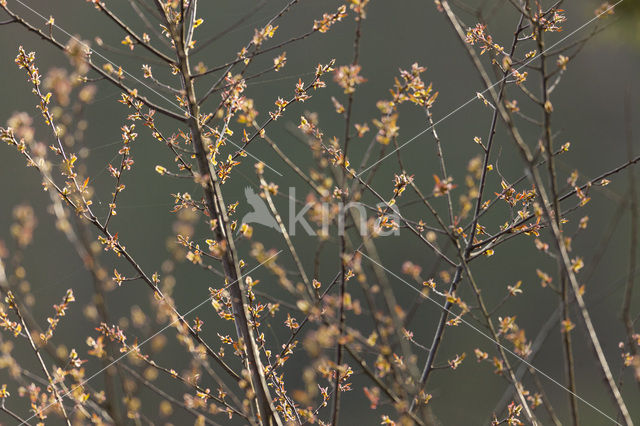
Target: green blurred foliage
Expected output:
[627,26]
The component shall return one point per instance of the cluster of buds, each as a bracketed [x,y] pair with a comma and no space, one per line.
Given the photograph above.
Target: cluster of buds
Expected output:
[61,311]
[479,36]
[328,19]
[550,23]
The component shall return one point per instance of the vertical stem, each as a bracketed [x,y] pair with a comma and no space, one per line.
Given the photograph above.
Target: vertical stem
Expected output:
[341,316]
[339,350]
[356,56]
[633,249]
[217,210]
[568,348]
[564,292]
[443,168]
[83,248]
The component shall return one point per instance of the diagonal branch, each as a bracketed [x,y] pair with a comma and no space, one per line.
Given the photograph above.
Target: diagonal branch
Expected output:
[107,76]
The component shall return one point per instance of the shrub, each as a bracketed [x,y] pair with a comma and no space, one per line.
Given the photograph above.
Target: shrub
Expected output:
[303,320]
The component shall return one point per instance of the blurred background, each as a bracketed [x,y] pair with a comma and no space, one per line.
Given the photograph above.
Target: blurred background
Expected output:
[589,112]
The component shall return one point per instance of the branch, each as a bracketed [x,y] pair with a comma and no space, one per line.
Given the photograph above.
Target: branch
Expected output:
[14,305]
[217,210]
[558,239]
[101,6]
[96,68]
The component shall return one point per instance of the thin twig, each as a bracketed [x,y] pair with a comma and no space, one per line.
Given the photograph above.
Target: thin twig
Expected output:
[633,248]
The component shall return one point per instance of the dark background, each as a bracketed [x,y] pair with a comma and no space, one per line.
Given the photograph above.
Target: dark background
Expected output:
[588,105]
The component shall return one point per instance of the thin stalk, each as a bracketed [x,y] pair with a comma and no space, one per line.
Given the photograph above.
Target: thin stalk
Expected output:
[564,290]
[633,249]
